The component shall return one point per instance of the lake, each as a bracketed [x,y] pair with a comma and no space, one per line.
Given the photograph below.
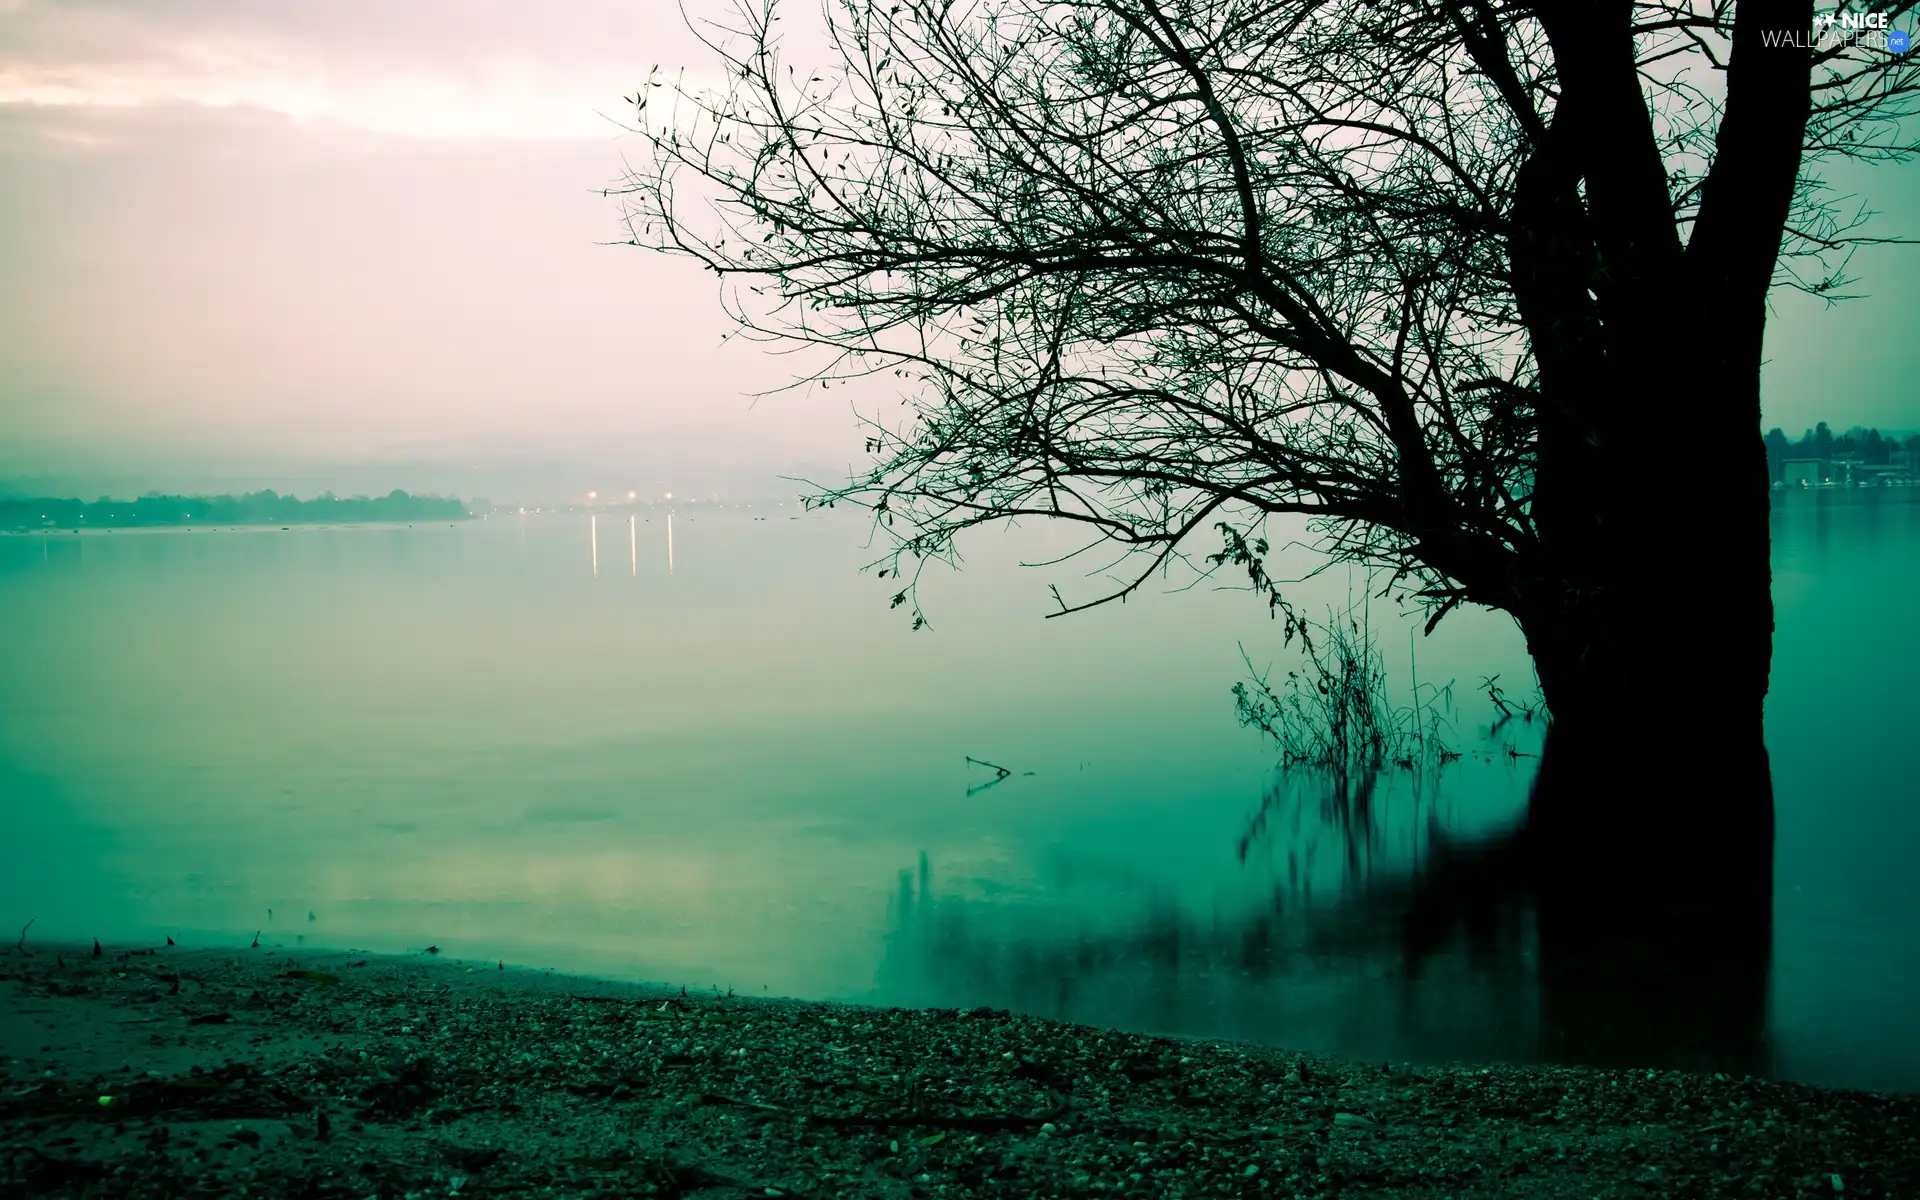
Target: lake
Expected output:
[530,739]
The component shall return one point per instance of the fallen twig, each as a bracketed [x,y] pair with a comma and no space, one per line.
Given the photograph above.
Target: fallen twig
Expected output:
[1000,776]
[986,1121]
[699,1177]
[21,945]
[736,1102]
[1003,772]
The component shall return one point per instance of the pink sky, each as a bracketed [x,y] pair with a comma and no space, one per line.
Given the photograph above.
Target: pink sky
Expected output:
[302,232]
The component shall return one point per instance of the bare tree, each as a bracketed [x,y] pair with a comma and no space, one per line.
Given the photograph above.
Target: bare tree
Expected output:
[1421,272]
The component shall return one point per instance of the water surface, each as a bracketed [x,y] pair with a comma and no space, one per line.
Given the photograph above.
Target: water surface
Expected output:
[747,772]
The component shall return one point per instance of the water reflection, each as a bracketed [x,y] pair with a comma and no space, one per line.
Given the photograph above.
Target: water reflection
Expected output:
[1376,931]
[633,542]
[1311,950]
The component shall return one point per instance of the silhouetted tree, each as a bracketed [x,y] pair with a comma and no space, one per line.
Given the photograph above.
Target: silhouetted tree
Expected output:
[1822,447]
[1777,450]
[1420,272]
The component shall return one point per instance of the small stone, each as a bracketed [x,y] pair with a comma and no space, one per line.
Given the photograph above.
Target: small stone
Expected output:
[1252,1170]
[1839,1184]
[1049,1129]
[1354,1121]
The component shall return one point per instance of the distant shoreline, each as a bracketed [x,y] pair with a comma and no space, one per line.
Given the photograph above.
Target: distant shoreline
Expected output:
[263,509]
[225,527]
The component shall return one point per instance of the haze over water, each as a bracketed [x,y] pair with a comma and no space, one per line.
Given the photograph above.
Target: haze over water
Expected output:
[728,774]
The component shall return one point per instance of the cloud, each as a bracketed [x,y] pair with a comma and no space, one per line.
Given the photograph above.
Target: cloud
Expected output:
[502,99]
[426,71]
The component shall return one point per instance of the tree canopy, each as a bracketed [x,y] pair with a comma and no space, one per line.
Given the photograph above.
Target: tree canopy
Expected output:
[1166,267]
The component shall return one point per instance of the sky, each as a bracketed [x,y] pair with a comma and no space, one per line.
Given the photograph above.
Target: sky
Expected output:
[260,240]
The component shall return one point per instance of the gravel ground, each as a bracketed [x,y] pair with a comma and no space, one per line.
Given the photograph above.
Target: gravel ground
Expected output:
[176,1072]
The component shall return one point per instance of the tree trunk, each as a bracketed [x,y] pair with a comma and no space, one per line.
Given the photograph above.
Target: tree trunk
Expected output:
[1650,827]
[1650,613]
[1656,687]
[1647,600]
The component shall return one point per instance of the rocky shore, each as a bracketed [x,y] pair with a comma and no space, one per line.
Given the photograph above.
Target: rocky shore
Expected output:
[166,1071]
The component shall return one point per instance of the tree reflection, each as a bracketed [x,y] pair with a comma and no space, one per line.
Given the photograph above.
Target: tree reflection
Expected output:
[1668,963]
[1381,932]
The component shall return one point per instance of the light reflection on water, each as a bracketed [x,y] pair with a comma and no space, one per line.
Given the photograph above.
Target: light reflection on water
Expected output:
[725,771]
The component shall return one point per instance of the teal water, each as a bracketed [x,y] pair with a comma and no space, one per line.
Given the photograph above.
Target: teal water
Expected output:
[747,772]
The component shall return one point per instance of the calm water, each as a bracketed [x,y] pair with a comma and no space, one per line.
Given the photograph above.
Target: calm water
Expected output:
[746,772]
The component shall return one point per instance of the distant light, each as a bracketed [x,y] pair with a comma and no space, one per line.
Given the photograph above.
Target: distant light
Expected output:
[593,495]
[633,495]
[669,495]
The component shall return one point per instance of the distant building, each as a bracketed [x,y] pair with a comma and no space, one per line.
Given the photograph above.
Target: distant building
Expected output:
[1802,472]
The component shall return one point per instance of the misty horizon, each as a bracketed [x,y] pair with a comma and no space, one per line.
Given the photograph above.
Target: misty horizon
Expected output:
[254,246]
[501,480]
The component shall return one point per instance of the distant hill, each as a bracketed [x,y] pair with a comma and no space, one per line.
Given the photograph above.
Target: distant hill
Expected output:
[254,508]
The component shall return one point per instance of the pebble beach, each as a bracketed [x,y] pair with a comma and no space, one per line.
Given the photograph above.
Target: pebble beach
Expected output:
[152,1071]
